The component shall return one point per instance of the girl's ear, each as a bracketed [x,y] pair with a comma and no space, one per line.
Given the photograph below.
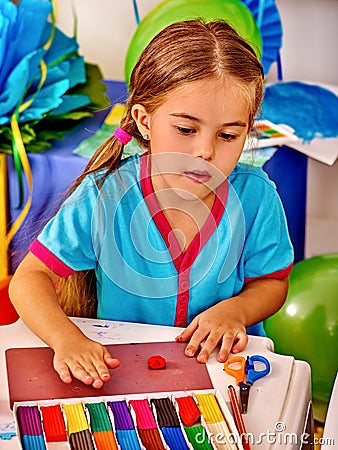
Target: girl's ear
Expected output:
[142,119]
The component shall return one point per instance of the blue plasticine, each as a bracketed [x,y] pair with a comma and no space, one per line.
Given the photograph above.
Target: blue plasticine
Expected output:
[127,440]
[174,438]
[33,442]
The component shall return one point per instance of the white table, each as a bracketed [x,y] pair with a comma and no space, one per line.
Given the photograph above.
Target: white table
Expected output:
[279,403]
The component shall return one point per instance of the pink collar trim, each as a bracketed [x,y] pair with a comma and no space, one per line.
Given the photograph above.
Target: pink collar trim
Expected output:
[181,260]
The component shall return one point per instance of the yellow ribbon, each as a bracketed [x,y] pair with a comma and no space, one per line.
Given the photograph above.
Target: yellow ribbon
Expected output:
[17,141]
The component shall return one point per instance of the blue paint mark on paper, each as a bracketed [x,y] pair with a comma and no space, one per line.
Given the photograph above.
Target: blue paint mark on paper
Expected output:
[312,111]
[7,436]
[7,430]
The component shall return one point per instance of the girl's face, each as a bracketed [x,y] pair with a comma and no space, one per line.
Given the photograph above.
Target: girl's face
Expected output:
[196,136]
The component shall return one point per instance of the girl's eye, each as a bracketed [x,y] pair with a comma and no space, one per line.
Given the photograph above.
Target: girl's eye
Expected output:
[185,131]
[227,136]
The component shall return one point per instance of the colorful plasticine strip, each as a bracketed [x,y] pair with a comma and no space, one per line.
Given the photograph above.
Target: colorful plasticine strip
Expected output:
[198,437]
[209,408]
[77,427]
[190,415]
[174,437]
[146,425]
[144,416]
[165,412]
[128,440]
[151,439]
[169,423]
[81,440]
[53,423]
[99,420]
[216,422]
[76,418]
[105,440]
[188,410]
[101,427]
[121,414]
[30,428]
[124,427]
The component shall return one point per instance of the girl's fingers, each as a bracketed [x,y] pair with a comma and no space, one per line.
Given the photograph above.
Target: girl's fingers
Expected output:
[101,372]
[64,373]
[102,369]
[94,371]
[240,342]
[194,344]
[226,346]
[188,332]
[111,362]
[232,344]
[209,346]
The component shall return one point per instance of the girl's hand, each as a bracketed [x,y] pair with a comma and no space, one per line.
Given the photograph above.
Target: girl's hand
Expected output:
[85,360]
[222,323]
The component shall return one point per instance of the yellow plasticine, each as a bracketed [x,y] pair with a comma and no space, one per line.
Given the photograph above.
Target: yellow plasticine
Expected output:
[76,418]
[209,408]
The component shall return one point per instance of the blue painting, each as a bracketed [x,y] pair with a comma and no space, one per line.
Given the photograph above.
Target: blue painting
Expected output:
[311,110]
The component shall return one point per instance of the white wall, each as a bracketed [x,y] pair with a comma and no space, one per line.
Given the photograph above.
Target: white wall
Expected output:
[309,52]
[310,38]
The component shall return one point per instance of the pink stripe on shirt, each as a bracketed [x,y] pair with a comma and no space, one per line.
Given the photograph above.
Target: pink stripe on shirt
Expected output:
[279,274]
[51,261]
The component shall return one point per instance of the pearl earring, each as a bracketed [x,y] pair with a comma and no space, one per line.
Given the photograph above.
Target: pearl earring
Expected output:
[145,137]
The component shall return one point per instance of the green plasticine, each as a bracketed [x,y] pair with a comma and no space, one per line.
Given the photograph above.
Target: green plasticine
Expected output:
[198,437]
[99,419]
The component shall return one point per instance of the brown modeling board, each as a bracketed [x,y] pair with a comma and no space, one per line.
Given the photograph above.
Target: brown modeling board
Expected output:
[31,375]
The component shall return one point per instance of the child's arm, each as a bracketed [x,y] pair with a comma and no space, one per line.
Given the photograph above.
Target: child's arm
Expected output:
[226,322]
[33,295]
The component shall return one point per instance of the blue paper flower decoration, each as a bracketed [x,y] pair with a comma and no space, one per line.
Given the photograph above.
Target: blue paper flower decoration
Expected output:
[24,36]
[45,87]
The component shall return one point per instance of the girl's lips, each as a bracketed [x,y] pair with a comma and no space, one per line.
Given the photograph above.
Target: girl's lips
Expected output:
[198,176]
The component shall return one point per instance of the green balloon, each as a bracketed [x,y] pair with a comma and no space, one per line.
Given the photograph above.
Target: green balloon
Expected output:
[167,12]
[307,325]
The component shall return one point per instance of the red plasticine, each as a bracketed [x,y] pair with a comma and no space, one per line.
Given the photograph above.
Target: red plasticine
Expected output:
[188,410]
[156,362]
[53,423]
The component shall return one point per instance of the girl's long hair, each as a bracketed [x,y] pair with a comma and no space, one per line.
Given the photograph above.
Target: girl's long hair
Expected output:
[183,52]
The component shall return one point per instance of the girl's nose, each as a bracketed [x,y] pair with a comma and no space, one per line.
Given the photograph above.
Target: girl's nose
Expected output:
[205,150]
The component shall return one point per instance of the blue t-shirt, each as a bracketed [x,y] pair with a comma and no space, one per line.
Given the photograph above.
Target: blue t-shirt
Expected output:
[142,275]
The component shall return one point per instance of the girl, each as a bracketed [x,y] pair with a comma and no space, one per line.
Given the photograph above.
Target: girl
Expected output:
[181,235]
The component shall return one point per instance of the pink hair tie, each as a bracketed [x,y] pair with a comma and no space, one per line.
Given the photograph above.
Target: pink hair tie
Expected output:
[122,136]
